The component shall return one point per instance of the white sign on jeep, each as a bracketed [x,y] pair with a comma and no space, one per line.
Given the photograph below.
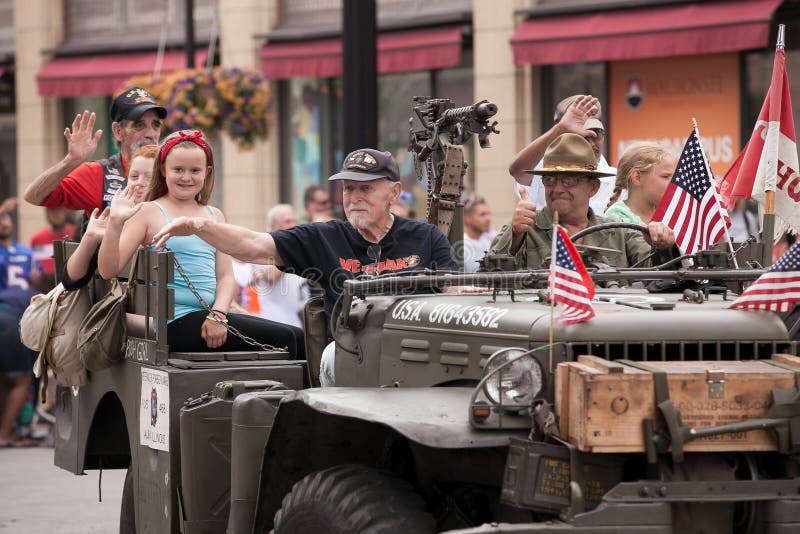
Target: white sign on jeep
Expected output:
[154,409]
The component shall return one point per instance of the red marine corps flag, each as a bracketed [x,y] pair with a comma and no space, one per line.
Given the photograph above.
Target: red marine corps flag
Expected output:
[769,160]
[570,283]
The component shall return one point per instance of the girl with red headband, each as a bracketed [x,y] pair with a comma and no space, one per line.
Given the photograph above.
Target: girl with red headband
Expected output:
[182,183]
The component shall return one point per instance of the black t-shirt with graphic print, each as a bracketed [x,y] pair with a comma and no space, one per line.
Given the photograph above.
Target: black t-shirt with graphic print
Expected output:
[334,251]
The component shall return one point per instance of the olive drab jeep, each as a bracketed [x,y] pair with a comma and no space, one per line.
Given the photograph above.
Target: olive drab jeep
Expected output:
[455,413]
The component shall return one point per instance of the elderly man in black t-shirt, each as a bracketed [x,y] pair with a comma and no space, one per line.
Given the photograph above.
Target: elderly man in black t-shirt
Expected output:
[372,241]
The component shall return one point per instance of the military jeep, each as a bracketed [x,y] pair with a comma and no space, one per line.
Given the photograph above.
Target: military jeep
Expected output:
[421,437]
[444,418]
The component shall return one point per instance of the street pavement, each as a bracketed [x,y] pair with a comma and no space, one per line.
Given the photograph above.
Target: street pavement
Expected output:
[37,497]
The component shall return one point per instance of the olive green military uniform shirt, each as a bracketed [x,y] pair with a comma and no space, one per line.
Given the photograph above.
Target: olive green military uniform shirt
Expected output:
[534,253]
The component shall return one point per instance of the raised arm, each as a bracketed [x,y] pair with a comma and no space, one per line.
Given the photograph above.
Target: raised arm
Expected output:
[81,144]
[127,228]
[241,243]
[572,122]
[79,263]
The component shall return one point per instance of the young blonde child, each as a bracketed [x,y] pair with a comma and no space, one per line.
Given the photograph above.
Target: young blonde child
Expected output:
[644,170]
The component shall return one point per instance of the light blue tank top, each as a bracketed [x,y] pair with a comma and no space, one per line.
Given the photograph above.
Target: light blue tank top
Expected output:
[198,260]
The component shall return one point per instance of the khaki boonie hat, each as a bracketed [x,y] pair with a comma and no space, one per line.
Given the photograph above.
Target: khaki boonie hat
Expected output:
[570,153]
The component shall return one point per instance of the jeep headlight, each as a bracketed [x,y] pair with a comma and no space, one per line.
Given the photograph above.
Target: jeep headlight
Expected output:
[513,378]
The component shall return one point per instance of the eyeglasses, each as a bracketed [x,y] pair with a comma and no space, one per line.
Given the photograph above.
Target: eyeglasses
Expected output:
[566,181]
[325,202]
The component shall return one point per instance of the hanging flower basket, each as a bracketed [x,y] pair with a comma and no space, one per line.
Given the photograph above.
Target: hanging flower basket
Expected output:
[232,100]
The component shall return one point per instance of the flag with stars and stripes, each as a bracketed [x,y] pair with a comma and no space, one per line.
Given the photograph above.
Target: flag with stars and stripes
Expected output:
[691,205]
[778,289]
[570,283]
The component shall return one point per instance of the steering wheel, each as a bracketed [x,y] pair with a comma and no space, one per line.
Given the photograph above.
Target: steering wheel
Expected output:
[607,226]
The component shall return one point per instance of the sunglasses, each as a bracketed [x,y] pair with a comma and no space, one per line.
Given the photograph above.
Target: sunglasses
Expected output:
[566,181]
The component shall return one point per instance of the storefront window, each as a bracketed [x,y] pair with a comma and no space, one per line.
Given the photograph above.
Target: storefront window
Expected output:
[99,105]
[395,92]
[573,79]
[305,137]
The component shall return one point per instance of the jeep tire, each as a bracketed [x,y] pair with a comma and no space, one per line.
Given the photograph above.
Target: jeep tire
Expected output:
[353,498]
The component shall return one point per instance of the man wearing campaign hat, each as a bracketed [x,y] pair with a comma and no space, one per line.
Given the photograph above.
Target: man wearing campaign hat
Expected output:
[76,183]
[571,178]
[579,114]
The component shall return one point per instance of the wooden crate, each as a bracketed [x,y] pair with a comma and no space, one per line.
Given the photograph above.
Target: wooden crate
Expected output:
[601,403]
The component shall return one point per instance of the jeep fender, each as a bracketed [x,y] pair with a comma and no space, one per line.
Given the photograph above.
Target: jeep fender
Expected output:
[383,427]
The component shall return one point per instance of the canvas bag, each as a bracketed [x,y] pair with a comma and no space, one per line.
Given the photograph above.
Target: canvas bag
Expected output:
[102,333]
[50,325]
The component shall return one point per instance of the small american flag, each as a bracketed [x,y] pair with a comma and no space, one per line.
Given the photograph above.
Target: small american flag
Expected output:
[778,289]
[691,204]
[570,283]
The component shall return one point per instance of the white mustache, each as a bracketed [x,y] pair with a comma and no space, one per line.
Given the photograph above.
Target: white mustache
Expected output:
[357,206]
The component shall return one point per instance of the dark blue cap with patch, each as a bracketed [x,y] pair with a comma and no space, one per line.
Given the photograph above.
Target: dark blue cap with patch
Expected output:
[132,103]
[367,164]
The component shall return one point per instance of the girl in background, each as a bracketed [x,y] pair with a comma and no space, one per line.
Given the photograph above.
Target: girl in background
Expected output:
[644,170]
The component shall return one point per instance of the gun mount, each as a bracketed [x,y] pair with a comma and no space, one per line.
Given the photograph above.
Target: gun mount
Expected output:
[443,160]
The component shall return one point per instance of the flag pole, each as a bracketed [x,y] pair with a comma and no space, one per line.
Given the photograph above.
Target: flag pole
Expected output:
[768,224]
[552,289]
[727,234]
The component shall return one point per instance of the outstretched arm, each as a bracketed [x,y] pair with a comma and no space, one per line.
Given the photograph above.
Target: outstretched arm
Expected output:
[243,244]
[81,144]
[572,122]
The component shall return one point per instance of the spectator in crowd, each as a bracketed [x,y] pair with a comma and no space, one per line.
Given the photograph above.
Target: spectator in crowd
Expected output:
[182,183]
[570,177]
[744,220]
[16,261]
[578,114]
[477,236]
[281,217]
[58,228]
[372,240]
[79,184]
[644,170]
[402,206]
[16,361]
[317,201]
[280,297]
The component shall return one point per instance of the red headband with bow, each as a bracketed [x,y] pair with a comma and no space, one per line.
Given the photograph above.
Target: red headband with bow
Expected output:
[195,137]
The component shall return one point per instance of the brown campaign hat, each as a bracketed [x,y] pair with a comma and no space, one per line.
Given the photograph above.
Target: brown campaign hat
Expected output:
[572,154]
[594,122]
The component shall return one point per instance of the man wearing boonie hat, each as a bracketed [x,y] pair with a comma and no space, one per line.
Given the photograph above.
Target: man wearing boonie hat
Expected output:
[579,114]
[78,184]
[371,241]
[571,177]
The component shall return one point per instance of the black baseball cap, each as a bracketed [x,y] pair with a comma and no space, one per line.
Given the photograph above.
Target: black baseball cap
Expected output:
[366,164]
[132,103]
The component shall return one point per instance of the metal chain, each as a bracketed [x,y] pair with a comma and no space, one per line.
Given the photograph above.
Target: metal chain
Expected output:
[232,329]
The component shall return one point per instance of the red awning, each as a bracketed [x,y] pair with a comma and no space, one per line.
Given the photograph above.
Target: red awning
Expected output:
[397,52]
[102,75]
[701,28]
